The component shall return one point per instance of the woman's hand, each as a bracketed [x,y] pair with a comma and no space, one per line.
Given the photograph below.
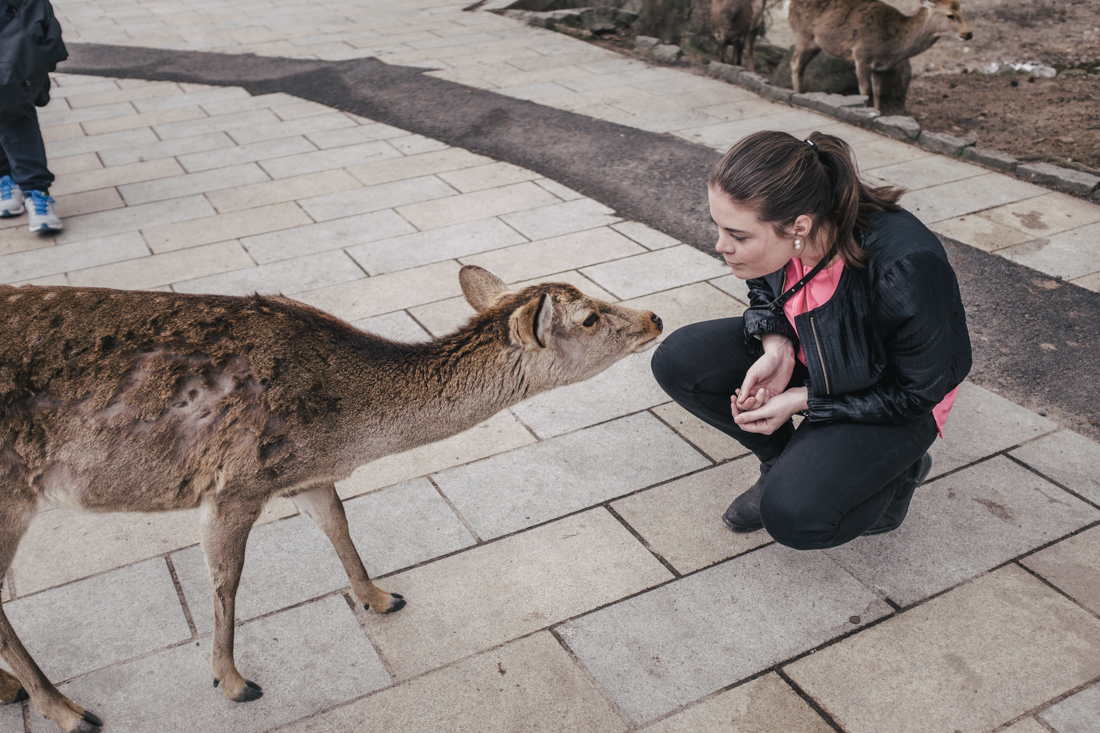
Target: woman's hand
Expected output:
[772,415]
[768,376]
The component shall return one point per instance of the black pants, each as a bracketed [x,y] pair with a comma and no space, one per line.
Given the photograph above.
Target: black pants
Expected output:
[22,152]
[831,481]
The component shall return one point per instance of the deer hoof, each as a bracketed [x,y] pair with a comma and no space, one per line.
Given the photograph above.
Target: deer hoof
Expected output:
[20,696]
[88,723]
[251,691]
[397,605]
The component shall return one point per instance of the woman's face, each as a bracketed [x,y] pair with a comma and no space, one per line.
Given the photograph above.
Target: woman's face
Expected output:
[750,247]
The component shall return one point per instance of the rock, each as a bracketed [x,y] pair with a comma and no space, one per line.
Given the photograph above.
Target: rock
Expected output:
[668,53]
[768,57]
[941,142]
[753,81]
[1064,178]
[862,116]
[1074,72]
[992,158]
[836,76]
[728,72]
[646,43]
[899,128]
[779,94]
[1044,72]
[828,103]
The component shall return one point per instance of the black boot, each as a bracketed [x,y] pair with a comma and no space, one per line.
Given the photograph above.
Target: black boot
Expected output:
[899,507]
[743,515]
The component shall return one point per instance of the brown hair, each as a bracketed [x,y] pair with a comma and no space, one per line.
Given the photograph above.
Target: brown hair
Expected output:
[782,178]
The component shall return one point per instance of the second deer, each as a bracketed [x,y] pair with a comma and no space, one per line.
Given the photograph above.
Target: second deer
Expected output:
[145,401]
[873,35]
[735,24]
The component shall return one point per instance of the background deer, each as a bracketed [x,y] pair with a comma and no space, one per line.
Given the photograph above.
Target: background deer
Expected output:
[870,33]
[735,24]
[142,401]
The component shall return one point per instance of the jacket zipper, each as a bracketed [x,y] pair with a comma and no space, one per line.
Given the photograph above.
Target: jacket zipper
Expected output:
[820,355]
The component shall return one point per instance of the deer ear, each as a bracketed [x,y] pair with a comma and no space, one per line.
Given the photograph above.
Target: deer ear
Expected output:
[532,324]
[928,3]
[481,287]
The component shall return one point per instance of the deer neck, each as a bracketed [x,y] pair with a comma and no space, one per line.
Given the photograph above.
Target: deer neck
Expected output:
[916,37]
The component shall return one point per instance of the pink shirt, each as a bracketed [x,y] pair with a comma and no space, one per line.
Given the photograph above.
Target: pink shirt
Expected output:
[815,294]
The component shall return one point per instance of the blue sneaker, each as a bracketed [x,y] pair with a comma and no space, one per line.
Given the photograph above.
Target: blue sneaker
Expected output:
[43,217]
[11,198]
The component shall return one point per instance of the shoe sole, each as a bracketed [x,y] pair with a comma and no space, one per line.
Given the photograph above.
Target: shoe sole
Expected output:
[10,214]
[741,530]
[920,480]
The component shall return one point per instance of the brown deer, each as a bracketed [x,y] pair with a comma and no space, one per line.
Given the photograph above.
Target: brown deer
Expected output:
[735,24]
[143,401]
[872,34]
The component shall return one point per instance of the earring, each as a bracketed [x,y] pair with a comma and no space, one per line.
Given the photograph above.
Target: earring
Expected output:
[797,243]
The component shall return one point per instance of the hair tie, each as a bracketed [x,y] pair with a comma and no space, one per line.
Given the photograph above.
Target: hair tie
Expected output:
[813,145]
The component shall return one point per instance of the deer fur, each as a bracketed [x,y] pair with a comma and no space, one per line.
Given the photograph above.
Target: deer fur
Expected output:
[873,35]
[735,24]
[143,401]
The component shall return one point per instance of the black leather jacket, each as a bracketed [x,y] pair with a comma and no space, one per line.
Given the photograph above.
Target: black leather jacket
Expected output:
[891,342]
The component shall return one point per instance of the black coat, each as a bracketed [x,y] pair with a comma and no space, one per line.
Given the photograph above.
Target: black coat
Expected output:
[30,48]
[891,342]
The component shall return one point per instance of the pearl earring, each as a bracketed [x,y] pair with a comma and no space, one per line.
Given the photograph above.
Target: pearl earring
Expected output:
[797,243]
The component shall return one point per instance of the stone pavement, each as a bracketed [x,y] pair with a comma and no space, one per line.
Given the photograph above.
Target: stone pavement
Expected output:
[564,562]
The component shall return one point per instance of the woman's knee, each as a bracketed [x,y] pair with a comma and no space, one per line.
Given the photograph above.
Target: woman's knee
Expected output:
[795,524]
[673,361]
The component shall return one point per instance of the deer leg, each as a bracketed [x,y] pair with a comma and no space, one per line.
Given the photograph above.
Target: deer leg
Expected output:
[225,529]
[800,59]
[323,506]
[877,78]
[28,678]
[863,76]
[750,51]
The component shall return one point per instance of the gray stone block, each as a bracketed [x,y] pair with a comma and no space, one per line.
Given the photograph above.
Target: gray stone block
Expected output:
[1073,567]
[749,80]
[992,158]
[777,93]
[829,104]
[728,72]
[1068,458]
[899,128]
[646,43]
[678,643]
[1053,175]
[666,52]
[862,116]
[1078,713]
[941,142]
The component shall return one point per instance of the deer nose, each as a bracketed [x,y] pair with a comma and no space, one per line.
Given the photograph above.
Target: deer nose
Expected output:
[967,36]
[657,320]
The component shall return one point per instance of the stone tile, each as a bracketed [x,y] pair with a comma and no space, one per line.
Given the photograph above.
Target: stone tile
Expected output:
[332,158]
[530,684]
[1027,725]
[387,293]
[1069,254]
[287,189]
[307,659]
[534,579]
[972,659]
[286,277]
[764,705]
[399,326]
[1043,215]
[364,133]
[1070,459]
[1078,713]
[192,183]
[733,286]
[146,91]
[11,718]
[166,149]
[206,95]
[232,225]
[415,144]
[885,151]
[64,257]
[723,135]
[376,198]
[261,151]
[549,479]
[655,271]
[681,521]
[130,121]
[558,219]
[129,612]
[1072,565]
[739,109]
[478,205]
[1089,282]
[415,166]
[163,269]
[58,133]
[545,257]
[711,441]
[498,434]
[300,110]
[645,236]
[977,231]
[962,525]
[74,164]
[688,304]
[331,235]
[924,172]
[88,202]
[292,128]
[132,218]
[449,242]
[983,423]
[98,143]
[731,621]
[967,196]
[493,175]
[563,193]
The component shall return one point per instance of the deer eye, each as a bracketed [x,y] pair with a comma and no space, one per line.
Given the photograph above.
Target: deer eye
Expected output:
[590,321]
[951,17]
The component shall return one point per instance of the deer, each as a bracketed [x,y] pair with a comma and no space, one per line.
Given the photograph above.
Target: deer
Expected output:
[114,400]
[873,35]
[735,24]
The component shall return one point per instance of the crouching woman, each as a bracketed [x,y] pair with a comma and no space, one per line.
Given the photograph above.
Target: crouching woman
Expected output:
[855,322]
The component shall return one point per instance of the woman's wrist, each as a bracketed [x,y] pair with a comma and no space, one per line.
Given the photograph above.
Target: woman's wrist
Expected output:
[776,342]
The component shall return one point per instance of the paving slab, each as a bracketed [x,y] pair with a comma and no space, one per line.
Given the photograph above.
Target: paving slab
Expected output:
[60,258]
[551,478]
[520,584]
[688,304]
[924,172]
[375,198]
[980,232]
[11,718]
[1067,458]
[1068,254]
[967,196]
[421,248]
[343,233]
[655,271]
[644,235]
[764,705]
[287,189]
[711,441]
[963,525]
[564,218]
[398,326]
[1043,215]
[681,521]
[530,685]
[1073,566]
[164,269]
[127,613]
[970,660]
[1027,725]
[386,293]
[663,649]
[547,256]
[1078,713]
[307,659]
[412,166]
[192,183]
[223,227]
[983,423]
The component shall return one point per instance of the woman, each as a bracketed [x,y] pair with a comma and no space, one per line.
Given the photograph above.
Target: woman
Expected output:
[855,322]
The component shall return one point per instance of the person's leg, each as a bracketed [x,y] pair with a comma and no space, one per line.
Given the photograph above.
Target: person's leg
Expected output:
[21,141]
[835,481]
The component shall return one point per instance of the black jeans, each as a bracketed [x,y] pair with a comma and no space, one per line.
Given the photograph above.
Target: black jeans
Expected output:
[23,154]
[831,481]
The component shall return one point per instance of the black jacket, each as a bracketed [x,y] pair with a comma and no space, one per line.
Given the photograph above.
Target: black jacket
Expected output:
[30,48]
[891,342]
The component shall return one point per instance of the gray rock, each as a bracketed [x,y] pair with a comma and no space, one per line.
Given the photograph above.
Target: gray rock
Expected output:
[827,103]
[862,116]
[666,52]
[992,158]
[777,93]
[646,43]
[831,75]
[753,81]
[728,72]
[1065,178]
[899,128]
[1044,72]
[941,142]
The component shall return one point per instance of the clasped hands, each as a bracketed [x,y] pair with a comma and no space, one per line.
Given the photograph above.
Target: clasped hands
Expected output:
[763,404]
